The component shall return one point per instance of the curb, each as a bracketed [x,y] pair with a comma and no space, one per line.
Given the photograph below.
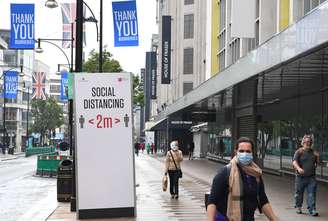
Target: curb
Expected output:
[15,156]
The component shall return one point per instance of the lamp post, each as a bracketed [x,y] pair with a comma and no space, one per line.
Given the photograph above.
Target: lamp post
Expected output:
[28,111]
[4,138]
[79,29]
[78,68]
[49,40]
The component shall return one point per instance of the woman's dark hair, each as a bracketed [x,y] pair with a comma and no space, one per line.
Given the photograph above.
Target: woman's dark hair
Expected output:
[242,140]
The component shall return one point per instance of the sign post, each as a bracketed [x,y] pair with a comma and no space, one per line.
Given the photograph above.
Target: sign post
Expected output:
[104,145]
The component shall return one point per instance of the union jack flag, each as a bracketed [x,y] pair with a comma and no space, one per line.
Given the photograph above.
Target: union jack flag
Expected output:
[69,17]
[39,85]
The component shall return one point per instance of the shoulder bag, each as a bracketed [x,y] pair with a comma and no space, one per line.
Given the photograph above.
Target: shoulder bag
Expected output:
[178,170]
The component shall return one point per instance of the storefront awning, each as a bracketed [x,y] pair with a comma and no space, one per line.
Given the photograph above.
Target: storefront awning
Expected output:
[156,125]
[301,38]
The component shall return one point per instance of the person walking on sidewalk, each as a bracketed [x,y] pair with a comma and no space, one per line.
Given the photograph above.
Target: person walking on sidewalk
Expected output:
[238,189]
[191,148]
[173,168]
[305,162]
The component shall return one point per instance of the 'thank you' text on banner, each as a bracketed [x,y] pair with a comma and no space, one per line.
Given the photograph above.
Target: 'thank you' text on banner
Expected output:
[125,23]
[22,26]
[11,83]
[64,86]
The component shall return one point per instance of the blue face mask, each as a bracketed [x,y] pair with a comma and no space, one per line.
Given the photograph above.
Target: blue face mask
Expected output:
[244,158]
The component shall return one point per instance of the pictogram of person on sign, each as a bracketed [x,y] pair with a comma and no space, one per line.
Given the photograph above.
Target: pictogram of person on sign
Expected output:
[126,120]
[81,121]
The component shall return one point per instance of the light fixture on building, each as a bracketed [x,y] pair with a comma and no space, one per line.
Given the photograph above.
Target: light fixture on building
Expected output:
[51,4]
[39,49]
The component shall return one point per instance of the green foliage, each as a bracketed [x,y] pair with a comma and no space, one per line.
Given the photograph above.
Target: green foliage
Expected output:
[138,94]
[109,64]
[112,65]
[47,116]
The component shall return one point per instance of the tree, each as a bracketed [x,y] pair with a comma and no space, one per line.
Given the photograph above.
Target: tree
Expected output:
[109,63]
[47,116]
[138,94]
[112,65]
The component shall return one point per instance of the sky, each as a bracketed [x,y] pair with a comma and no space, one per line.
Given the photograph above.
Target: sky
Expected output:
[48,24]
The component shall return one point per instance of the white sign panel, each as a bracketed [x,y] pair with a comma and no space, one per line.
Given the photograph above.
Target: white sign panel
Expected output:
[243,19]
[105,160]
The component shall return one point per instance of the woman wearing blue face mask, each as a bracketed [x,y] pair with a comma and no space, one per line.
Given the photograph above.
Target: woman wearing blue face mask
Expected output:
[238,189]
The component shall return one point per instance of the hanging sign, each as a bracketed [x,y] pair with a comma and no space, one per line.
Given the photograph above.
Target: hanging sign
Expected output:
[11,83]
[125,23]
[64,86]
[166,49]
[21,26]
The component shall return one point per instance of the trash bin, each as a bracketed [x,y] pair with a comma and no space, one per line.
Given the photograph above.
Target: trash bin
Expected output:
[64,181]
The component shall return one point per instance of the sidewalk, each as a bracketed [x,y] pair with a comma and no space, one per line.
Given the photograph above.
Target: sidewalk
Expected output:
[5,157]
[154,204]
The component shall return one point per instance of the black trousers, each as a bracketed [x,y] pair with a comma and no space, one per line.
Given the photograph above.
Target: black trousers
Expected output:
[174,182]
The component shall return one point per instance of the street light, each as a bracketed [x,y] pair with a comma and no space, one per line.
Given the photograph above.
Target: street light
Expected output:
[81,19]
[78,68]
[21,74]
[28,110]
[51,4]
[48,40]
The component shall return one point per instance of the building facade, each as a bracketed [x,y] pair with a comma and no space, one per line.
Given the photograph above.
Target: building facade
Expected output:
[271,87]
[17,109]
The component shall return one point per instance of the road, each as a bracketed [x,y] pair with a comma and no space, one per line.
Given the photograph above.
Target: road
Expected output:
[21,192]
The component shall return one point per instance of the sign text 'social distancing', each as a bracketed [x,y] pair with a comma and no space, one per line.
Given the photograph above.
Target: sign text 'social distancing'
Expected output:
[103,116]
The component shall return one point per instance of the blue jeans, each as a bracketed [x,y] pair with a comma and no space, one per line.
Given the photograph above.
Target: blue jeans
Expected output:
[310,184]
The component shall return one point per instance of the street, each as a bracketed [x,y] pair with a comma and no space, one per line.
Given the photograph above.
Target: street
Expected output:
[22,193]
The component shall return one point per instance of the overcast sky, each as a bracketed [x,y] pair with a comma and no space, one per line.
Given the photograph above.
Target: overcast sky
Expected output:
[48,24]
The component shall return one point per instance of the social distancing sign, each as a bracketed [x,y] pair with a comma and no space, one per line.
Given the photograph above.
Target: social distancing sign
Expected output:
[105,160]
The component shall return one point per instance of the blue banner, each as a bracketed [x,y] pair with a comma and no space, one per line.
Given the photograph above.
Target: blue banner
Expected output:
[125,23]
[21,26]
[64,86]
[11,83]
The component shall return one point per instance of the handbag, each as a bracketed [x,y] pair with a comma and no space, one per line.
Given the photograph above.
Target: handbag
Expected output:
[164,183]
[179,171]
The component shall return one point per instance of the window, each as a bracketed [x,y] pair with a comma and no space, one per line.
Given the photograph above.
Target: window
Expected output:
[188,61]
[188,2]
[187,86]
[188,26]
[307,6]
[222,40]
[25,96]
[222,14]
[235,50]
[56,97]
[54,88]
[222,60]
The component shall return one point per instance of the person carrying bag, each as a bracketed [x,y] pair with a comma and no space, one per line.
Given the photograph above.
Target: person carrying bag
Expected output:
[173,168]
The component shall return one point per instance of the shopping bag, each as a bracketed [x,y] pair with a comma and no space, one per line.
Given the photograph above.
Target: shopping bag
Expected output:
[164,183]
